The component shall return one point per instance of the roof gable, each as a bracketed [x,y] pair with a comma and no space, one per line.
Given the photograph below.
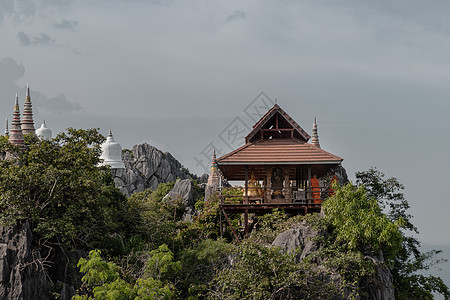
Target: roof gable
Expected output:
[277,123]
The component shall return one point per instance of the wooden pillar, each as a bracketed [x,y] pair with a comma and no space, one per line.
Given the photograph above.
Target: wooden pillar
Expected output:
[269,185]
[309,192]
[246,185]
[287,185]
[246,202]
[221,225]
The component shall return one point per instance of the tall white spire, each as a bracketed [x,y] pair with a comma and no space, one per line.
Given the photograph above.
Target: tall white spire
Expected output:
[315,136]
[6,128]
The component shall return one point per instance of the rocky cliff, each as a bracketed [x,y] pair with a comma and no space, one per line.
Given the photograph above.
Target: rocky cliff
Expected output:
[301,236]
[146,167]
[21,272]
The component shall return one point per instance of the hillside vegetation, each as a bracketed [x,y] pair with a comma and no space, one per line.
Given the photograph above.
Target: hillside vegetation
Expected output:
[112,247]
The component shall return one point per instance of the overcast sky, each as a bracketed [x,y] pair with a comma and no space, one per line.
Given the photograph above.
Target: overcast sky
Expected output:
[181,75]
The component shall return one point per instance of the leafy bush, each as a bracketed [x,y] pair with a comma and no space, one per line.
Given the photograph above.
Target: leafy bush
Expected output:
[103,280]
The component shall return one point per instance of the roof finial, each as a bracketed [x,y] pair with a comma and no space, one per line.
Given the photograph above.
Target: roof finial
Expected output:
[110,133]
[214,155]
[315,136]
[28,91]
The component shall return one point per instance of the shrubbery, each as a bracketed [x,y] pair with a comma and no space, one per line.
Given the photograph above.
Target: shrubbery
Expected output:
[149,252]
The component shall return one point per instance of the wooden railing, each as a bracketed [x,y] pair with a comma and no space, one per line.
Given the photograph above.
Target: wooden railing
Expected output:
[302,196]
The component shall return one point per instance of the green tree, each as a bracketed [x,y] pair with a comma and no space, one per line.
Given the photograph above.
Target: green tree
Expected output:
[260,272]
[410,262]
[359,223]
[156,220]
[70,202]
[103,280]
[199,265]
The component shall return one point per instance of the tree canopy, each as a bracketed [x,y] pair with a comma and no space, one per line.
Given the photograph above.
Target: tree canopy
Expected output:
[150,252]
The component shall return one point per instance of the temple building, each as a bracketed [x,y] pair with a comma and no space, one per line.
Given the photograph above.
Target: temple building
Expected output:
[279,168]
[111,150]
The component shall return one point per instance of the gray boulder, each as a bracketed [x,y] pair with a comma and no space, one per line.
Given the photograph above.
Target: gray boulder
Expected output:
[300,236]
[184,190]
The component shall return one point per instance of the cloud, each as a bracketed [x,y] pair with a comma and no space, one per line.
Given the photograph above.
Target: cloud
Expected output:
[27,40]
[26,10]
[10,70]
[6,7]
[58,104]
[237,15]
[24,39]
[66,24]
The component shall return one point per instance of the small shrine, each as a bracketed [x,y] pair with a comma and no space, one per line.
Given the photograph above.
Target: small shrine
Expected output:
[279,168]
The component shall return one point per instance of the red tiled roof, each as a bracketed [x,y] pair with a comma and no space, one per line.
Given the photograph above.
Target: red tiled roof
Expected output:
[273,151]
[264,119]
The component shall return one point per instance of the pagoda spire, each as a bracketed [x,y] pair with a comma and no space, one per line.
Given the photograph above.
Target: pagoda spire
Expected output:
[16,135]
[214,176]
[6,128]
[315,136]
[27,118]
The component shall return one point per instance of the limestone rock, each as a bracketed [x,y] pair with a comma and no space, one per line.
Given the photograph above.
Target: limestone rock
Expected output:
[145,168]
[184,189]
[380,286]
[21,273]
[210,190]
[299,236]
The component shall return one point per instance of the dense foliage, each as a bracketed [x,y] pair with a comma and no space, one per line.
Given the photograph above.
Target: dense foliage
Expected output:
[57,186]
[409,263]
[146,249]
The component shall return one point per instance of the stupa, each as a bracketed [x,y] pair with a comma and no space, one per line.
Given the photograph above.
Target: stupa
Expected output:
[43,132]
[112,153]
